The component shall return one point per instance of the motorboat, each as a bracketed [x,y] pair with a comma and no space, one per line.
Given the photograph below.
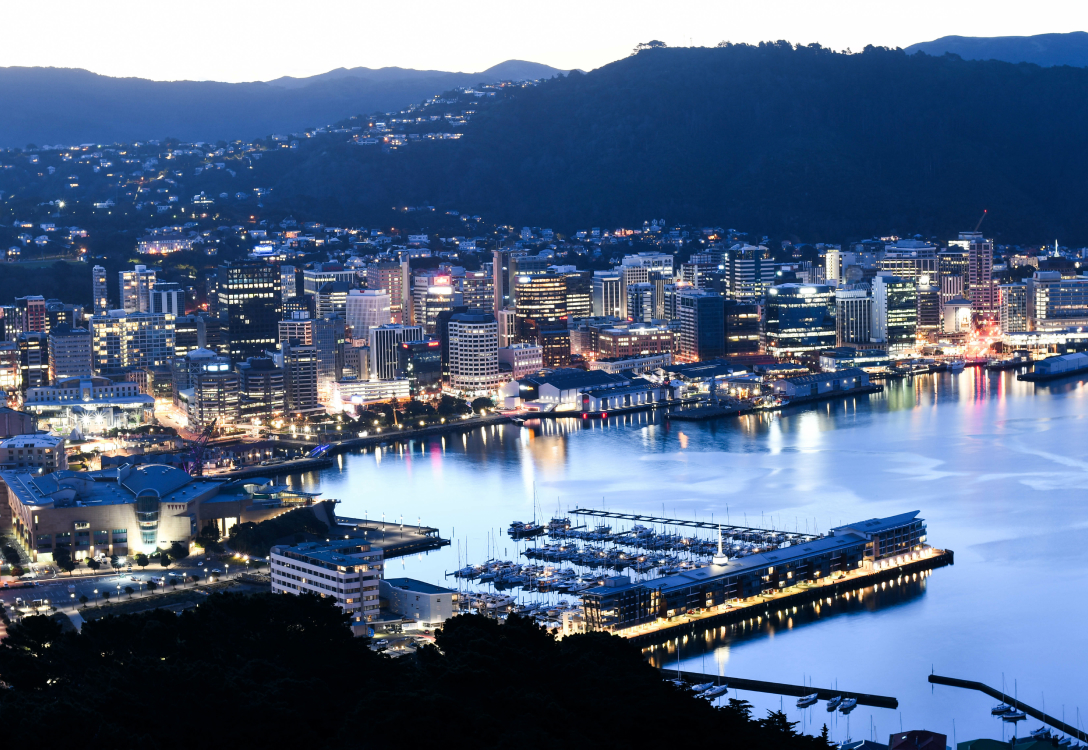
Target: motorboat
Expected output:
[956,365]
[834,703]
[1000,709]
[1065,742]
[848,705]
[808,700]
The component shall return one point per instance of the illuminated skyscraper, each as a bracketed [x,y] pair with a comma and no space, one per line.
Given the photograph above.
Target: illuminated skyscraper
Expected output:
[249,306]
[99,290]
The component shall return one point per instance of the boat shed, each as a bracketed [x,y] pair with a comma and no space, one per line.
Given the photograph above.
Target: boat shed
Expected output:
[822,383]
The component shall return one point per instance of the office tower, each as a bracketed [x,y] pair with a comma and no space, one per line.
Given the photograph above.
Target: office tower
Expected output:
[981,289]
[895,313]
[295,306]
[540,303]
[749,270]
[30,315]
[579,294]
[392,278]
[249,307]
[692,275]
[909,259]
[660,281]
[313,279]
[474,353]
[1014,308]
[853,315]
[800,318]
[609,298]
[357,361]
[621,341]
[9,322]
[167,297]
[555,347]
[331,299]
[478,291]
[135,286]
[365,310]
[383,348]
[69,353]
[836,261]
[420,362]
[33,360]
[929,310]
[631,275]
[120,341]
[261,389]
[521,360]
[1054,303]
[11,376]
[651,261]
[329,338]
[216,394]
[442,333]
[300,378]
[640,302]
[184,369]
[188,334]
[952,270]
[702,325]
[431,294]
[99,291]
[508,326]
[742,323]
[500,283]
[288,282]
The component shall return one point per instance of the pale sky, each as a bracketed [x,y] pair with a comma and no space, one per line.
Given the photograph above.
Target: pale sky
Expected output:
[236,40]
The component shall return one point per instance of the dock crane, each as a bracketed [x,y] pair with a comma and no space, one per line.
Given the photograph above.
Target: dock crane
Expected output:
[195,462]
[980,220]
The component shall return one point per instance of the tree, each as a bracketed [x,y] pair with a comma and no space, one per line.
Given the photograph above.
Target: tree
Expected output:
[83,599]
[141,559]
[106,596]
[91,563]
[17,571]
[128,590]
[482,403]
[449,406]
[151,586]
[173,583]
[63,558]
[179,551]
[164,559]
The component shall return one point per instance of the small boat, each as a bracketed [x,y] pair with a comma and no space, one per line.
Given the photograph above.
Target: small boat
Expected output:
[834,703]
[1065,742]
[848,705]
[1014,716]
[1000,709]
[1041,733]
[714,692]
[956,365]
[808,700]
[702,688]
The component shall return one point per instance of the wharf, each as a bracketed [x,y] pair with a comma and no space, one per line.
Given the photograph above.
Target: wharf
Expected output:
[701,413]
[781,688]
[728,529]
[1040,377]
[394,539]
[390,436]
[1008,700]
[762,607]
[291,466]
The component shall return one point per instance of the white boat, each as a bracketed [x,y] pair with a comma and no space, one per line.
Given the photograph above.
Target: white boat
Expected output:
[702,688]
[808,700]
[1014,716]
[834,703]
[714,692]
[1000,709]
[956,365]
[1041,733]
[848,705]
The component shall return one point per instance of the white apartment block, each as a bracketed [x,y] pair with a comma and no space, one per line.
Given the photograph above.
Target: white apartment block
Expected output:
[135,288]
[474,353]
[347,571]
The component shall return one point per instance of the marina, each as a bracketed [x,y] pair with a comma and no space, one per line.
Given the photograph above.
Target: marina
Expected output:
[809,694]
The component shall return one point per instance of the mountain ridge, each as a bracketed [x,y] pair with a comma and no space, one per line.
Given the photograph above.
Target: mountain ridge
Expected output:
[1047,50]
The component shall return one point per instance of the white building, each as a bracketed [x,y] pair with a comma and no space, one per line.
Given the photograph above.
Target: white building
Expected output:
[427,604]
[90,405]
[474,353]
[609,295]
[167,298]
[42,453]
[135,288]
[347,571]
[367,309]
[383,348]
[358,392]
[522,359]
[661,262]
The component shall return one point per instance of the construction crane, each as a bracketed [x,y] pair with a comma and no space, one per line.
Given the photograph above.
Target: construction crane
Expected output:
[195,463]
[980,219]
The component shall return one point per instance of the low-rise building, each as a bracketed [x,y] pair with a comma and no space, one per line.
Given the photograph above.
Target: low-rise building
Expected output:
[347,571]
[427,604]
[90,405]
[37,453]
[821,384]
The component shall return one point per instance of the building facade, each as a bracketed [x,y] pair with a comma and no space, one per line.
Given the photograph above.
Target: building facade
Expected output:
[347,572]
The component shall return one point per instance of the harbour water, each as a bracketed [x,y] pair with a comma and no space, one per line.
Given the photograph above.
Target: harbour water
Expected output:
[999,469]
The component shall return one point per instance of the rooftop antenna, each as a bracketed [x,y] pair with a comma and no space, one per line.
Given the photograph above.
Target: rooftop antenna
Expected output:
[980,219]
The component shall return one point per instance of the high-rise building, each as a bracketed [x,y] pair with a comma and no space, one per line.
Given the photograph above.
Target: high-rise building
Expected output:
[249,306]
[895,313]
[184,369]
[367,309]
[99,290]
[392,278]
[167,298]
[135,286]
[749,270]
[742,323]
[625,341]
[69,353]
[952,269]
[836,261]
[609,298]
[120,341]
[800,319]
[383,348]
[478,291]
[540,303]
[579,294]
[420,362]
[215,394]
[909,259]
[474,353]
[651,261]
[702,324]
[30,315]
[1054,303]
[313,279]
[57,313]
[300,378]
[288,282]
[853,315]
[981,289]
[521,360]
[432,293]
[33,360]
[508,326]
[929,310]
[261,389]
[1014,308]
[555,347]
[640,302]
[331,299]
[11,377]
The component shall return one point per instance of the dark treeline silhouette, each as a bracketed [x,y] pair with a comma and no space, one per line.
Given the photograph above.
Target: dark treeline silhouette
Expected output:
[770,138]
[283,671]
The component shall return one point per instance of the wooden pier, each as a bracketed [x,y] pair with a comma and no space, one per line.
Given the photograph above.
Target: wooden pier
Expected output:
[765,607]
[781,688]
[1035,713]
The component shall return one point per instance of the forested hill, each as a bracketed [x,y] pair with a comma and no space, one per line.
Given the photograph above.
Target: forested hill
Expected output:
[771,138]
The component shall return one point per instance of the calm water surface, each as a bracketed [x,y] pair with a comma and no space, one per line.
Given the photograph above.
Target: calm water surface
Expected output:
[998,469]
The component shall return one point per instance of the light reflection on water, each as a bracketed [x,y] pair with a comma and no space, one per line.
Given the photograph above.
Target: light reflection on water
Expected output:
[998,467]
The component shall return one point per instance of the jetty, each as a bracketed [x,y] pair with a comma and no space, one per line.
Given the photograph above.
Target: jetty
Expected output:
[781,688]
[1035,713]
